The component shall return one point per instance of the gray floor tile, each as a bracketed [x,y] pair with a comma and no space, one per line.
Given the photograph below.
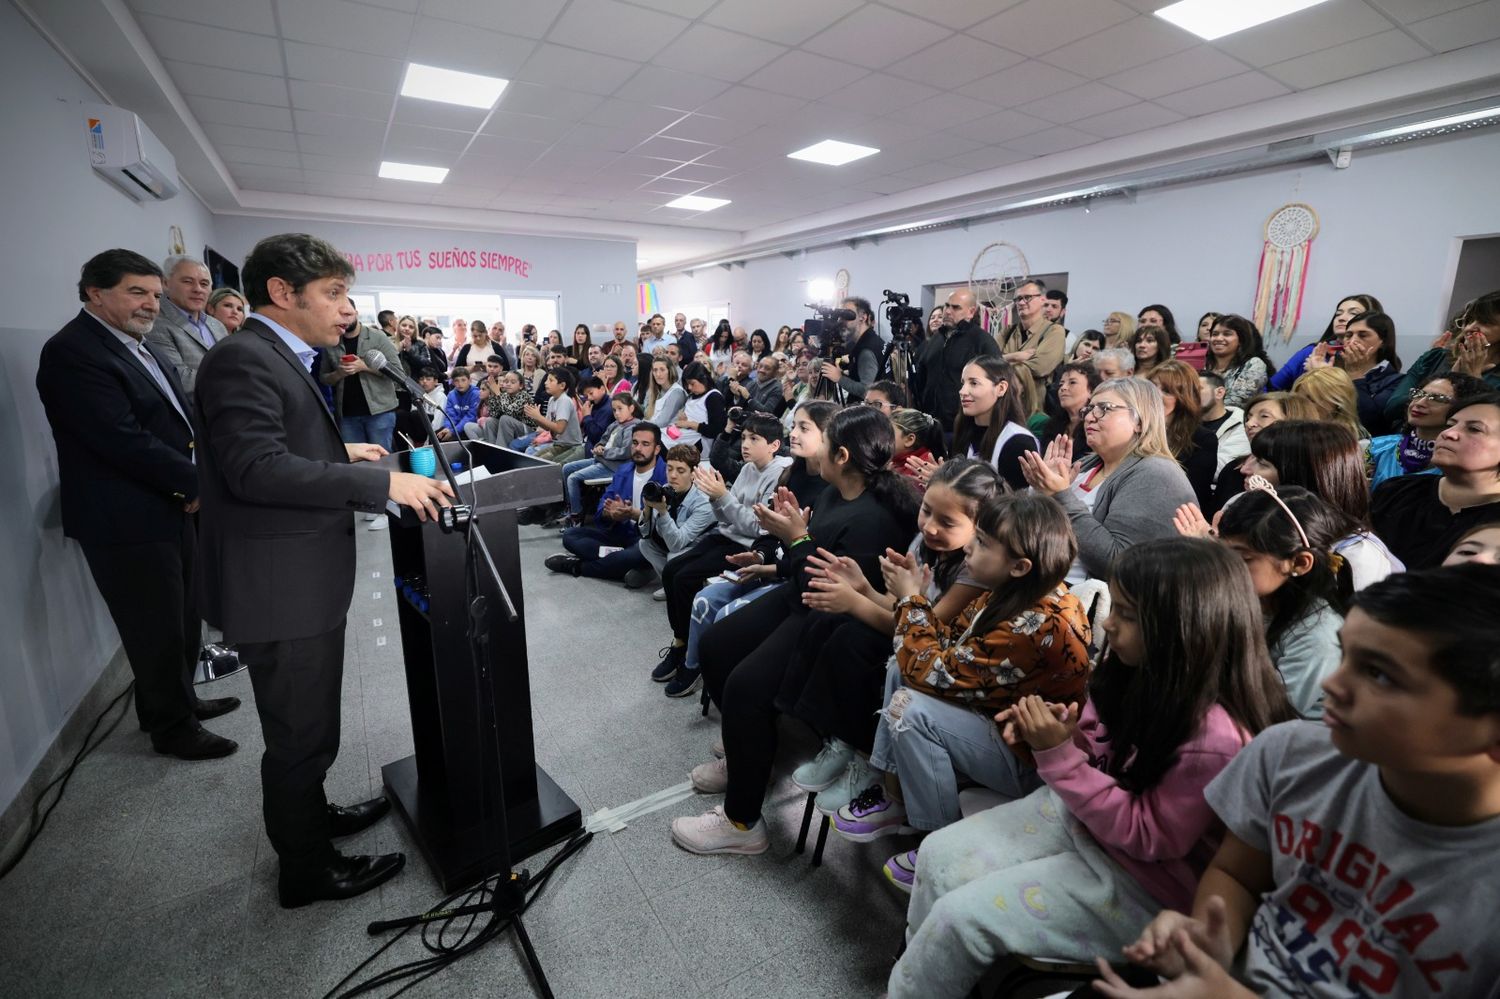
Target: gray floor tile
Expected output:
[188,938]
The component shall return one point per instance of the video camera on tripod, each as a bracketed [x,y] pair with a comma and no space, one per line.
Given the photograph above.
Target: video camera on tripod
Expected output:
[828,328]
[905,320]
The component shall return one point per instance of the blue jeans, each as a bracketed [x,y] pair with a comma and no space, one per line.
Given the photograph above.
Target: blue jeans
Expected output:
[715,601]
[522,443]
[377,429]
[585,542]
[575,474]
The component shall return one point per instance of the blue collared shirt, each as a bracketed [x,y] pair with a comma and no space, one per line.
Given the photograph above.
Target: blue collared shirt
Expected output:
[199,323]
[305,353]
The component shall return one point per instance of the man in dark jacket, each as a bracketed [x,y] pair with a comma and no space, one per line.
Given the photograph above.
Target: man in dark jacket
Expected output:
[942,357]
[125,443]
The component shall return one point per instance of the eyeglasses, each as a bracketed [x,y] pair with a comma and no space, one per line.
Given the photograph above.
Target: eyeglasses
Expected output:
[1025,298]
[1440,399]
[1100,409]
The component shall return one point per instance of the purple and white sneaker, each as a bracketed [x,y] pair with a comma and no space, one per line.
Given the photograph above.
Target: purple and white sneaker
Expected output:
[901,870]
[870,816]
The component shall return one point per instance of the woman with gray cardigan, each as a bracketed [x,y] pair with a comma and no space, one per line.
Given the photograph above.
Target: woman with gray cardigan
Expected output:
[1127,490]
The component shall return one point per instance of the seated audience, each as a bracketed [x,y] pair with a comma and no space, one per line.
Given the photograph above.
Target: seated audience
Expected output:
[1480,544]
[1121,828]
[1090,342]
[596,412]
[1235,353]
[1193,445]
[608,549]
[1409,452]
[1076,381]
[1368,356]
[1119,327]
[508,403]
[1333,333]
[703,411]
[1262,411]
[1206,326]
[612,374]
[1348,864]
[663,397]
[462,405]
[228,307]
[1122,492]
[1226,422]
[919,443]
[1470,347]
[560,421]
[1161,317]
[1420,516]
[605,458]
[886,396]
[991,421]
[1332,396]
[674,523]
[1151,346]
[1114,362]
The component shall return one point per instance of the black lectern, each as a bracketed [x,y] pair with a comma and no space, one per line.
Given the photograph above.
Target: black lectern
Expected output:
[444,788]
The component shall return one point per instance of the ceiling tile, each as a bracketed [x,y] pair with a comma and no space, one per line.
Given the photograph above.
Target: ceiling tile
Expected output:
[944,111]
[553,65]
[260,156]
[526,126]
[335,147]
[1037,26]
[746,104]
[1195,67]
[721,54]
[419,155]
[1389,48]
[237,135]
[603,138]
[341,100]
[670,88]
[1054,140]
[211,46]
[419,136]
[1233,92]
[322,123]
[467,48]
[680,150]
[550,102]
[701,173]
[1080,102]
[265,174]
[956,14]
[530,19]
[800,74]
[340,24]
[1126,121]
[1022,83]
[1310,30]
[207,109]
[671,185]
[707,128]
[637,165]
[321,64]
[1408,11]
[518,152]
[875,37]
[227,84]
[1004,126]
[889,185]
[682,8]
[1470,26]
[435,114]
[239,15]
[645,119]
[954,62]
[789,22]
[347,163]
[989,158]
[610,27]
[1124,46]
[878,93]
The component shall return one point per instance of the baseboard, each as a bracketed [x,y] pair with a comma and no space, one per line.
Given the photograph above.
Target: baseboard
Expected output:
[17,815]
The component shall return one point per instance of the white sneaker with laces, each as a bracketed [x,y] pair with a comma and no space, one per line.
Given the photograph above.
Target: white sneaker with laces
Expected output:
[712,832]
[857,776]
[826,768]
[660,596]
[718,747]
[711,777]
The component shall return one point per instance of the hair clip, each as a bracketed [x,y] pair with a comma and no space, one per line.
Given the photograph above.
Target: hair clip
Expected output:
[1260,484]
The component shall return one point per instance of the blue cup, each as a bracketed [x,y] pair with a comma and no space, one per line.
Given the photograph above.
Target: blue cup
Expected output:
[422,461]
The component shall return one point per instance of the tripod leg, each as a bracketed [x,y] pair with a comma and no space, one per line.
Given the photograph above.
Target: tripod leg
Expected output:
[531,958]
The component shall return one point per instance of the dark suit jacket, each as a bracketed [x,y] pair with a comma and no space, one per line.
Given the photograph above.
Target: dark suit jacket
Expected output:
[276,532]
[124,454]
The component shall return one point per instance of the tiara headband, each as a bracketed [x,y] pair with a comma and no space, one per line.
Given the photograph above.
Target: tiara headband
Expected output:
[1258,483]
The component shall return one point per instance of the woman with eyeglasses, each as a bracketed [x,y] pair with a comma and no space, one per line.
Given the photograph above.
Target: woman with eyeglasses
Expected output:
[1410,451]
[1118,328]
[1470,346]
[1122,490]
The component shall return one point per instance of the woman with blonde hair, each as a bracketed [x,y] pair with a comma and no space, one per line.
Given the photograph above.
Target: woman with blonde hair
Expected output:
[1119,327]
[228,307]
[531,369]
[1331,392]
[1118,497]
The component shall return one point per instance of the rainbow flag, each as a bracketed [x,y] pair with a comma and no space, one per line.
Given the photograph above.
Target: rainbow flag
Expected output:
[646,300]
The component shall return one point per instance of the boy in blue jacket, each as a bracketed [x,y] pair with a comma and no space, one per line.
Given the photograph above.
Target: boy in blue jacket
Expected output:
[463,402]
[607,548]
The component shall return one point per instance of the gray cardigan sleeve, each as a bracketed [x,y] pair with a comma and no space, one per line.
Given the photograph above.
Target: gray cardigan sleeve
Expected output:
[1135,504]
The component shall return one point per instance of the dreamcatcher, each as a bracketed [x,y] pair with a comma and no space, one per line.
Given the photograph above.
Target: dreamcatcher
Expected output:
[1283,270]
[996,273]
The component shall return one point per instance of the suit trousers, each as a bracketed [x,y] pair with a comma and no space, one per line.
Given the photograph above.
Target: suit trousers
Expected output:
[297,695]
[148,589]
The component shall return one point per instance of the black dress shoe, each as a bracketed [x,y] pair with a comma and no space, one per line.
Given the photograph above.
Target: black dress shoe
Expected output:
[213,707]
[195,743]
[568,565]
[346,821]
[341,877]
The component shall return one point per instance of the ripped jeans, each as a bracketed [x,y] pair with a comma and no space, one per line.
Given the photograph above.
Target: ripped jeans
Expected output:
[927,741]
[717,600]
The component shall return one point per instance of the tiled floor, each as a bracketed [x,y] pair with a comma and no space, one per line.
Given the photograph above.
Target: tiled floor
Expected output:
[154,877]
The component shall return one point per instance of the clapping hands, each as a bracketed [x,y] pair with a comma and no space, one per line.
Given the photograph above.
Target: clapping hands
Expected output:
[1037,723]
[904,576]
[783,517]
[1053,472]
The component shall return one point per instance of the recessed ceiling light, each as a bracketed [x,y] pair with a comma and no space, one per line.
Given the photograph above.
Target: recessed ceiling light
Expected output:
[1210,19]
[413,171]
[833,152]
[696,204]
[451,86]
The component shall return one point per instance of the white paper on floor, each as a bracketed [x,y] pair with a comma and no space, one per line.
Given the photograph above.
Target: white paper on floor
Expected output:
[615,819]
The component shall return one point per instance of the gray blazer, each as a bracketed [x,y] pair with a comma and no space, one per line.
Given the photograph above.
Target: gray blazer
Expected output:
[1135,504]
[380,391]
[178,342]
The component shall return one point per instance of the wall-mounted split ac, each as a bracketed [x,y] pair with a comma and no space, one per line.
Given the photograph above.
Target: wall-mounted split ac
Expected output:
[124,152]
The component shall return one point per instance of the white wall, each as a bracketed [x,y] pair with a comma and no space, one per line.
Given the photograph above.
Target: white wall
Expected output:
[595,278]
[55,636]
[1390,226]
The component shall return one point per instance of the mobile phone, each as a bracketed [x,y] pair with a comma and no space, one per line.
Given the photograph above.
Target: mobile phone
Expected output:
[1335,346]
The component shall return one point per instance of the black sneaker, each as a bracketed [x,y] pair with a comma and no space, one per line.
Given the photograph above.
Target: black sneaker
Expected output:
[685,682]
[568,565]
[671,662]
[637,578]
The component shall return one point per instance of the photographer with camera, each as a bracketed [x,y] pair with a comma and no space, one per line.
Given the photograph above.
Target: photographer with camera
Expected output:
[863,352]
[943,356]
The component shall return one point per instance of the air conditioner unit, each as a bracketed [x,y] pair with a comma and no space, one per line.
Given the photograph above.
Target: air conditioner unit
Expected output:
[124,152]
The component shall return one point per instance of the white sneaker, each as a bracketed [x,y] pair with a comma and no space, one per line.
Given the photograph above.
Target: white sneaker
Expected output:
[378,524]
[660,596]
[857,776]
[826,768]
[711,777]
[718,747]
[712,832]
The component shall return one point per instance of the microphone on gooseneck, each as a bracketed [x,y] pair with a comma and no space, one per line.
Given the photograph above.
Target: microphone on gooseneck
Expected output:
[376,361]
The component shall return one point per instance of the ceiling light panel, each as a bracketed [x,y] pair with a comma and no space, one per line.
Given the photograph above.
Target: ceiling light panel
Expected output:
[450,86]
[694,203]
[413,171]
[832,152]
[1211,19]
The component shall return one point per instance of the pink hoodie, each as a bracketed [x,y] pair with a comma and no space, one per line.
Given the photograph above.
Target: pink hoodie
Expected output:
[1164,837]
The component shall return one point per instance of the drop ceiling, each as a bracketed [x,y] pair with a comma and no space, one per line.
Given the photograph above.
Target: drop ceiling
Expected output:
[616,108]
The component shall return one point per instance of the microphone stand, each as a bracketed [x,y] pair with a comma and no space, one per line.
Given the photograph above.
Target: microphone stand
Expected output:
[507,899]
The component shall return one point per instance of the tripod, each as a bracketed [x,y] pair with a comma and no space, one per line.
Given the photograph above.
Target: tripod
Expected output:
[507,899]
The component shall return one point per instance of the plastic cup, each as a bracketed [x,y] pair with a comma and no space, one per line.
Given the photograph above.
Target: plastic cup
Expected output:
[422,461]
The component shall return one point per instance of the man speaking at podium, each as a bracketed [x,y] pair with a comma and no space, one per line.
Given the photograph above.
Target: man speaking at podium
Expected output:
[279,490]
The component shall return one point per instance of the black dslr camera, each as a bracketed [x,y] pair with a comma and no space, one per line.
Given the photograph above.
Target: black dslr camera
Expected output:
[904,319]
[653,492]
[828,328]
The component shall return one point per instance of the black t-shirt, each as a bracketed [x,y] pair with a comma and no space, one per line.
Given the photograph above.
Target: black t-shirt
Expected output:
[354,403]
[1410,518]
[1214,425]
